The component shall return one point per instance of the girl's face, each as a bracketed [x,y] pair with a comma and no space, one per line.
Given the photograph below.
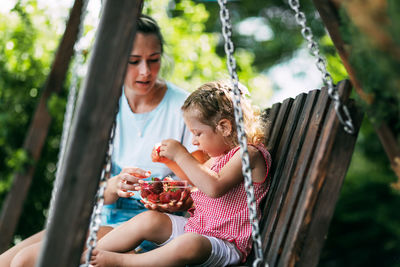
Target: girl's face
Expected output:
[204,137]
[144,63]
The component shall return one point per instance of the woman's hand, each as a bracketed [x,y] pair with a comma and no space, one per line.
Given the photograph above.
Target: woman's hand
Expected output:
[119,185]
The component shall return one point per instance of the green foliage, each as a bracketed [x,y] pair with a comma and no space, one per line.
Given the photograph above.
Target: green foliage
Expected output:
[192,56]
[334,64]
[27,43]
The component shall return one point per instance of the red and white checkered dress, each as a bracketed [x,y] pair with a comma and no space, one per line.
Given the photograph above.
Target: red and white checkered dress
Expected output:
[227,217]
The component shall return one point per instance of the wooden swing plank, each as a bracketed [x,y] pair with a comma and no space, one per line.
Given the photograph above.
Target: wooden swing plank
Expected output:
[328,168]
[310,153]
[284,172]
[301,168]
[278,123]
[272,206]
[270,115]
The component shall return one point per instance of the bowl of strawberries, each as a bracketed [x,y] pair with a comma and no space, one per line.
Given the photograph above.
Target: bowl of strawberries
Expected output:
[166,191]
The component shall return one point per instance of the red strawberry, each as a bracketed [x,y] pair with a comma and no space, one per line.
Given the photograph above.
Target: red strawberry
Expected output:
[153,198]
[165,197]
[177,183]
[185,194]
[157,186]
[176,194]
[158,149]
[145,189]
[144,193]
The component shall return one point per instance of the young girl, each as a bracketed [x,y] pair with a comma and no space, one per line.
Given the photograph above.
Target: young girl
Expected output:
[218,232]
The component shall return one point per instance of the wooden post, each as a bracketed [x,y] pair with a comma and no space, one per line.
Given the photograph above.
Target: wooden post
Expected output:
[38,130]
[84,158]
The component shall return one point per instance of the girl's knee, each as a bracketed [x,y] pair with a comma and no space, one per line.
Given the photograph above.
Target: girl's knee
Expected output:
[153,218]
[193,248]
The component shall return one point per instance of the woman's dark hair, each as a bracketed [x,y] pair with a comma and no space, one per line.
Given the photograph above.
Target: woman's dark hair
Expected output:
[147,25]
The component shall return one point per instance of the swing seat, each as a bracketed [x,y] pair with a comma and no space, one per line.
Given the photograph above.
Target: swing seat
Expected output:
[311,153]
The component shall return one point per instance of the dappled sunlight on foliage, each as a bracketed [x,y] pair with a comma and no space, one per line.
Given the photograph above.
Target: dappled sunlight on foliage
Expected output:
[192,57]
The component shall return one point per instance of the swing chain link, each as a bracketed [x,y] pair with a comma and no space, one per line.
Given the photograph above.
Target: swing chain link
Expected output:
[341,109]
[251,202]
[95,220]
[70,107]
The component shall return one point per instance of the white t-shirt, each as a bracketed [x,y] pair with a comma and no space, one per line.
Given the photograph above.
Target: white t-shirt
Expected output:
[136,134]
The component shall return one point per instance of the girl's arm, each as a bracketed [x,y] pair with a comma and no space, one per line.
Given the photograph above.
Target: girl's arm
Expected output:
[209,182]
[174,167]
[199,155]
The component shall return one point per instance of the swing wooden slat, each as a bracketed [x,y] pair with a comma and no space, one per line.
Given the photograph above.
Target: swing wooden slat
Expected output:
[310,156]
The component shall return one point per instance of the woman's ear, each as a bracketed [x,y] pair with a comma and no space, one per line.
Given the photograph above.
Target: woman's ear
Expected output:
[225,127]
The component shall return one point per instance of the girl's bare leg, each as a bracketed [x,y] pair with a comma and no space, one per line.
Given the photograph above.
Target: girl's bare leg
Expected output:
[7,256]
[153,226]
[189,248]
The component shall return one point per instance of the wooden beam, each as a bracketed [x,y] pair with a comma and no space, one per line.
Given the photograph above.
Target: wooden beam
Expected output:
[84,158]
[38,129]
[330,17]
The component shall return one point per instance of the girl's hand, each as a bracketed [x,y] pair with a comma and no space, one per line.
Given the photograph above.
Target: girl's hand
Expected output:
[171,149]
[182,205]
[125,181]
[155,155]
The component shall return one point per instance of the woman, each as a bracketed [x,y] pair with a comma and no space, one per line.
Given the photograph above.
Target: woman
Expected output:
[149,111]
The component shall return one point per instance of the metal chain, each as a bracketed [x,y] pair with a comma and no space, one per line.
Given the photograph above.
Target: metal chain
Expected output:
[251,203]
[95,220]
[341,109]
[79,61]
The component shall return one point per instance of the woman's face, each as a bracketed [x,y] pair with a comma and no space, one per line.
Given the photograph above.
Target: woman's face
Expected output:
[144,63]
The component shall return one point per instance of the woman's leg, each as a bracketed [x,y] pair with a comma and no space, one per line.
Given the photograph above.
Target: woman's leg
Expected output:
[7,256]
[27,256]
[189,248]
[27,251]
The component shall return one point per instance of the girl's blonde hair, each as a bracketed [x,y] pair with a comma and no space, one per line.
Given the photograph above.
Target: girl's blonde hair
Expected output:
[214,102]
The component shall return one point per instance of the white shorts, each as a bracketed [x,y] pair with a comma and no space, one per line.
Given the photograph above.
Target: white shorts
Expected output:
[223,253]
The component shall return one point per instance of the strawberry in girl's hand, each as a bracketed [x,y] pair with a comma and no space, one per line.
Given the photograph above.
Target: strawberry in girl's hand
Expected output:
[155,154]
